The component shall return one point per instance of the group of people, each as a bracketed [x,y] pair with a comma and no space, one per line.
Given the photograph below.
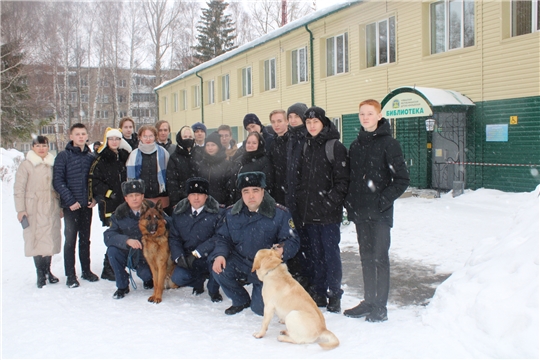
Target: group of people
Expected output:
[285,187]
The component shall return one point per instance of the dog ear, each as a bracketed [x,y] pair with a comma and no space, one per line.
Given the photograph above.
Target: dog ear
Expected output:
[144,208]
[159,207]
[256,263]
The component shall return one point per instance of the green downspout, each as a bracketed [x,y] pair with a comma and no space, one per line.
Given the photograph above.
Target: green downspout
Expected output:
[202,98]
[311,65]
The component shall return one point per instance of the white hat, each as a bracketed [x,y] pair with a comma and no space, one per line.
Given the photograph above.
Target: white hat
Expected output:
[110,132]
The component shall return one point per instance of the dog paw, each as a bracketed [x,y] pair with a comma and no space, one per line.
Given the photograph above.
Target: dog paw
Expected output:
[154,300]
[284,332]
[258,335]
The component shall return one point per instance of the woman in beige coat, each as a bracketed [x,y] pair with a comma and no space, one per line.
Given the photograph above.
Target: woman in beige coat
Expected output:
[36,200]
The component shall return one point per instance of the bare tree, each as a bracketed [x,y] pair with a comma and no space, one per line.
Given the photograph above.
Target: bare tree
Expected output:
[135,37]
[245,31]
[266,14]
[186,36]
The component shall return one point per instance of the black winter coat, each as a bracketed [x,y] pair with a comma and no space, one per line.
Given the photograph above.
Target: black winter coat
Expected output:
[379,175]
[322,185]
[278,158]
[70,175]
[217,170]
[295,145]
[181,166]
[107,174]
[188,233]
[250,161]
[133,142]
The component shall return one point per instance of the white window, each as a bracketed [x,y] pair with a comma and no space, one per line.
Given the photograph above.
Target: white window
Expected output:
[122,114]
[165,105]
[452,25]
[102,114]
[246,81]
[184,99]
[211,95]
[197,96]
[525,17]
[299,65]
[337,54]
[225,88]
[121,83]
[269,74]
[381,42]
[175,102]
[121,98]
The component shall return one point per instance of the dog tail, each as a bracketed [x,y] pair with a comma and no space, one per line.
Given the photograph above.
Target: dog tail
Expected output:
[327,340]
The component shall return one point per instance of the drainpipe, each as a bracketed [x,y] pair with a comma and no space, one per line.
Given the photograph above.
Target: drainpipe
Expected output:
[202,98]
[311,65]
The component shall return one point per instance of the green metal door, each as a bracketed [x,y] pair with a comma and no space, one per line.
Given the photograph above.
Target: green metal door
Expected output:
[412,135]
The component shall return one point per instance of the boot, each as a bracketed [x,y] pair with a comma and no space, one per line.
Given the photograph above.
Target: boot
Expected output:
[41,279]
[360,310]
[47,269]
[334,304]
[107,273]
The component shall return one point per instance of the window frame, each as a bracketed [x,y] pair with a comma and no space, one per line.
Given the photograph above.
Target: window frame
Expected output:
[446,35]
[247,81]
[270,78]
[211,92]
[296,62]
[534,20]
[197,96]
[175,102]
[333,60]
[373,42]
[225,88]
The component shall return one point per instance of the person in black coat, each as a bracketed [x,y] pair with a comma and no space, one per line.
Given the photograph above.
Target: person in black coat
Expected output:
[123,239]
[253,159]
[253,124]
[181,165]
[193,225]
[278,154]
[379,176]
[127,126]
[320,191]
[214,167]
[107,174]
[70,180]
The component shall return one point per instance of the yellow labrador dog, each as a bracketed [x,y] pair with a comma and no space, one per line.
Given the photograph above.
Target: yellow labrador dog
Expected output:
[284,295]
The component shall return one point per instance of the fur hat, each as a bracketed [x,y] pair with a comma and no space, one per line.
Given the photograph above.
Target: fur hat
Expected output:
[198,126]
[316,112]
[215,138]
[133,186]
[251,119]
[253,178]
[111,132]
[197,185]
[298,109]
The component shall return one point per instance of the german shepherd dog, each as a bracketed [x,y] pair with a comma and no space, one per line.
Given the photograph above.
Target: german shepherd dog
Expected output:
[155,240]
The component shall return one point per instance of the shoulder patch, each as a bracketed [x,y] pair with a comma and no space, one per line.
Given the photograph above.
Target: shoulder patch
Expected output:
[291,223]
[282,207]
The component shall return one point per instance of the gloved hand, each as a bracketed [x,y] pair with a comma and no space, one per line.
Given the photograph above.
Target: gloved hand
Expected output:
[185,262]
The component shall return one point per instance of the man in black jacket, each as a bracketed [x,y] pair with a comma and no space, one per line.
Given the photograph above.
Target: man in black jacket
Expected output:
[70,180]
[379,176]
[320,192]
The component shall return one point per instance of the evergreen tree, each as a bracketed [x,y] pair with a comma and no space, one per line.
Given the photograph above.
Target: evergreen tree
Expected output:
[17,118]
[216,32]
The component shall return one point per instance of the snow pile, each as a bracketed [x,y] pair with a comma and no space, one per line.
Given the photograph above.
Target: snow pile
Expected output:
[491,304]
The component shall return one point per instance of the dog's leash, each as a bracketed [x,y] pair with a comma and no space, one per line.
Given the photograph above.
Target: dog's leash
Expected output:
[131,253]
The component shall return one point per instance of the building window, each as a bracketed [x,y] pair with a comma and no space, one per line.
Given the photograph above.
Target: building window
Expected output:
[121,83]
[381,42]
[175,102]
[225,88]
[337,54]
[246,81]
[525,17]
[269,74]
[452,25]
[72,97]
[104,83]
[84,98]
[143,97]
[211,95]
[102,114]
[299,65]
[184,99]
[165,105]
[197,96]
[142,112]
[122,114]
[121,98]
[84,82]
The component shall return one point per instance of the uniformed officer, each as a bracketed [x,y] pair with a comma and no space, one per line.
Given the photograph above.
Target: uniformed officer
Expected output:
[193,226]
[254,222]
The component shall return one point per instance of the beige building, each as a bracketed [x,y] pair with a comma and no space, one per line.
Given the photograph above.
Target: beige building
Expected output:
[483,55]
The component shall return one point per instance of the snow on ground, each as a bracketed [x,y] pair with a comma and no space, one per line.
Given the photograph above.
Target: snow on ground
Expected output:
[488,308]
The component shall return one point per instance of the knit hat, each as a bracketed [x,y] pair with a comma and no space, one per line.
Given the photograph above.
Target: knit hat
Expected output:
[215,138]
[298,109]
[199,126]
[316,112]
[253,178]
[251,119]
[133,186]
[197,185]
[111,132]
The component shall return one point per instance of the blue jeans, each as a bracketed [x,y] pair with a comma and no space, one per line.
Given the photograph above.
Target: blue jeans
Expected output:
[325,258]
[119,258]
[232,280]
[195,277]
